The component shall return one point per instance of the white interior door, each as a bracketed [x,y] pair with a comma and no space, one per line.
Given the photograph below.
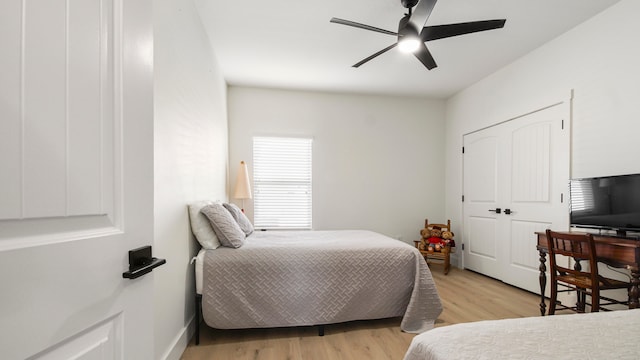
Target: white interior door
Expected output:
[520,167]
[481,201]
[536,189]
[76,178]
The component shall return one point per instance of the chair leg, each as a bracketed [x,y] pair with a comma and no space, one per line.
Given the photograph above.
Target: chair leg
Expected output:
[447,263]
[554,298]
[595,300]
[581,300]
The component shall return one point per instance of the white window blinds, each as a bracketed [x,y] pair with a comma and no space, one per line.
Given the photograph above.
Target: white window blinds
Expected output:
[282,183]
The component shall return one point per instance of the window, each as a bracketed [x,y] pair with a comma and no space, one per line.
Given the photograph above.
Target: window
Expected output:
[282,183]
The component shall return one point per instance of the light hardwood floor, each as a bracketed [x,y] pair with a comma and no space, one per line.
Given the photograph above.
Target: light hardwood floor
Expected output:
[466,297]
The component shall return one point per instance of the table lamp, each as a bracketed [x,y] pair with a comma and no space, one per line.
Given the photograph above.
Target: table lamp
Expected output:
[243,188]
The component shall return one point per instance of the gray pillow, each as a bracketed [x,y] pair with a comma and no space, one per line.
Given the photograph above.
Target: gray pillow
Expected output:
[224,225]
[240,218]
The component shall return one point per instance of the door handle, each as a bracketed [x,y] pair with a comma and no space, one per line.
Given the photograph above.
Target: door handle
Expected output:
[507,211]
[141,262]
[497,210]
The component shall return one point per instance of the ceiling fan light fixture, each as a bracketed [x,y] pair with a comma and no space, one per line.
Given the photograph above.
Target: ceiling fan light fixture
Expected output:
[409,44]
[408,38]
[413,33]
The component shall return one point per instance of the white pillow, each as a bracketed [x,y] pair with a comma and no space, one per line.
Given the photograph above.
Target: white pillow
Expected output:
[224,225]
[240,218]
[201,227]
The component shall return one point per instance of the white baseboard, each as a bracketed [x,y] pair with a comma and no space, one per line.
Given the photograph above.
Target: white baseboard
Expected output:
[175,351]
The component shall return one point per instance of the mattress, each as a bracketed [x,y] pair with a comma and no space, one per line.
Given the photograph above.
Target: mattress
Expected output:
[199,260]
[601,335]
[300,278]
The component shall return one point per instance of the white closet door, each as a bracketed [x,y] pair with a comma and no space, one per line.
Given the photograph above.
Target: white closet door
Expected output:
[528,178]
[481,199]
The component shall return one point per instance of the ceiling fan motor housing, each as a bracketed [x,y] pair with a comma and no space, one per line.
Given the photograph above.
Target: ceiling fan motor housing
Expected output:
[409,3]
[405,28]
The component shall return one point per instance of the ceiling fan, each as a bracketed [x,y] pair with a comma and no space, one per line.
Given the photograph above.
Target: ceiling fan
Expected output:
[412,40]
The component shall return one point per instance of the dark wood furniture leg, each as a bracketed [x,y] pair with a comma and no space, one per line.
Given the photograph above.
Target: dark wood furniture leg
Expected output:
[581,295]
[447,259]
[543,281]
[198,319]
[633,291]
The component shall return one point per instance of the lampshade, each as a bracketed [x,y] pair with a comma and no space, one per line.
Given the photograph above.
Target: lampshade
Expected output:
[243,188]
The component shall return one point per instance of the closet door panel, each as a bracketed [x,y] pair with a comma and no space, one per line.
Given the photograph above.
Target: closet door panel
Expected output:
[538,166]
[531,163]
[481,191]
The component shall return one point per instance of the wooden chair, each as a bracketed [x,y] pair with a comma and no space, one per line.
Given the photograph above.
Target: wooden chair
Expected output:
[442,257]
[579,247]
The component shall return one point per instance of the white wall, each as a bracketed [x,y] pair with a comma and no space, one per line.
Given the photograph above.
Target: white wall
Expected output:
[190,160]
[378,161]
[599,60]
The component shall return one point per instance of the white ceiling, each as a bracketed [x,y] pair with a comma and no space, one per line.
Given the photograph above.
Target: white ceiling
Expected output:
[291,43]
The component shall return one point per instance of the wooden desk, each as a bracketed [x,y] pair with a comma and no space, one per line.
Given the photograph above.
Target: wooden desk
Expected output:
[617,252]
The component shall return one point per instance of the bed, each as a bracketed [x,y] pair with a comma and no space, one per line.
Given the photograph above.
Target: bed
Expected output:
[302,278]
[601,335]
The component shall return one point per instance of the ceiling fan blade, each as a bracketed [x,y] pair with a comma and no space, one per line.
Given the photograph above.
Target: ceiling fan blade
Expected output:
[444,31]
[375,55]
[362,26]
[424,55]
[421,12]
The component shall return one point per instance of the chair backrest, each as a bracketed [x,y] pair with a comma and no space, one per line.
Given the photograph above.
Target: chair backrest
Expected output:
[577,246]
[443,227]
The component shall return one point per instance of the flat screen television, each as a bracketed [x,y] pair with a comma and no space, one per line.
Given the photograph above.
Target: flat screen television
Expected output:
[608,203]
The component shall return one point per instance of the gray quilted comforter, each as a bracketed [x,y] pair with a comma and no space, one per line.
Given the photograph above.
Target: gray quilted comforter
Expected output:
[299,278]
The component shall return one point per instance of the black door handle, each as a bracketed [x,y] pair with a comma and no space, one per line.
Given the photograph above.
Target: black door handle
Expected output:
[141,262]
[497,210]
[507,211]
